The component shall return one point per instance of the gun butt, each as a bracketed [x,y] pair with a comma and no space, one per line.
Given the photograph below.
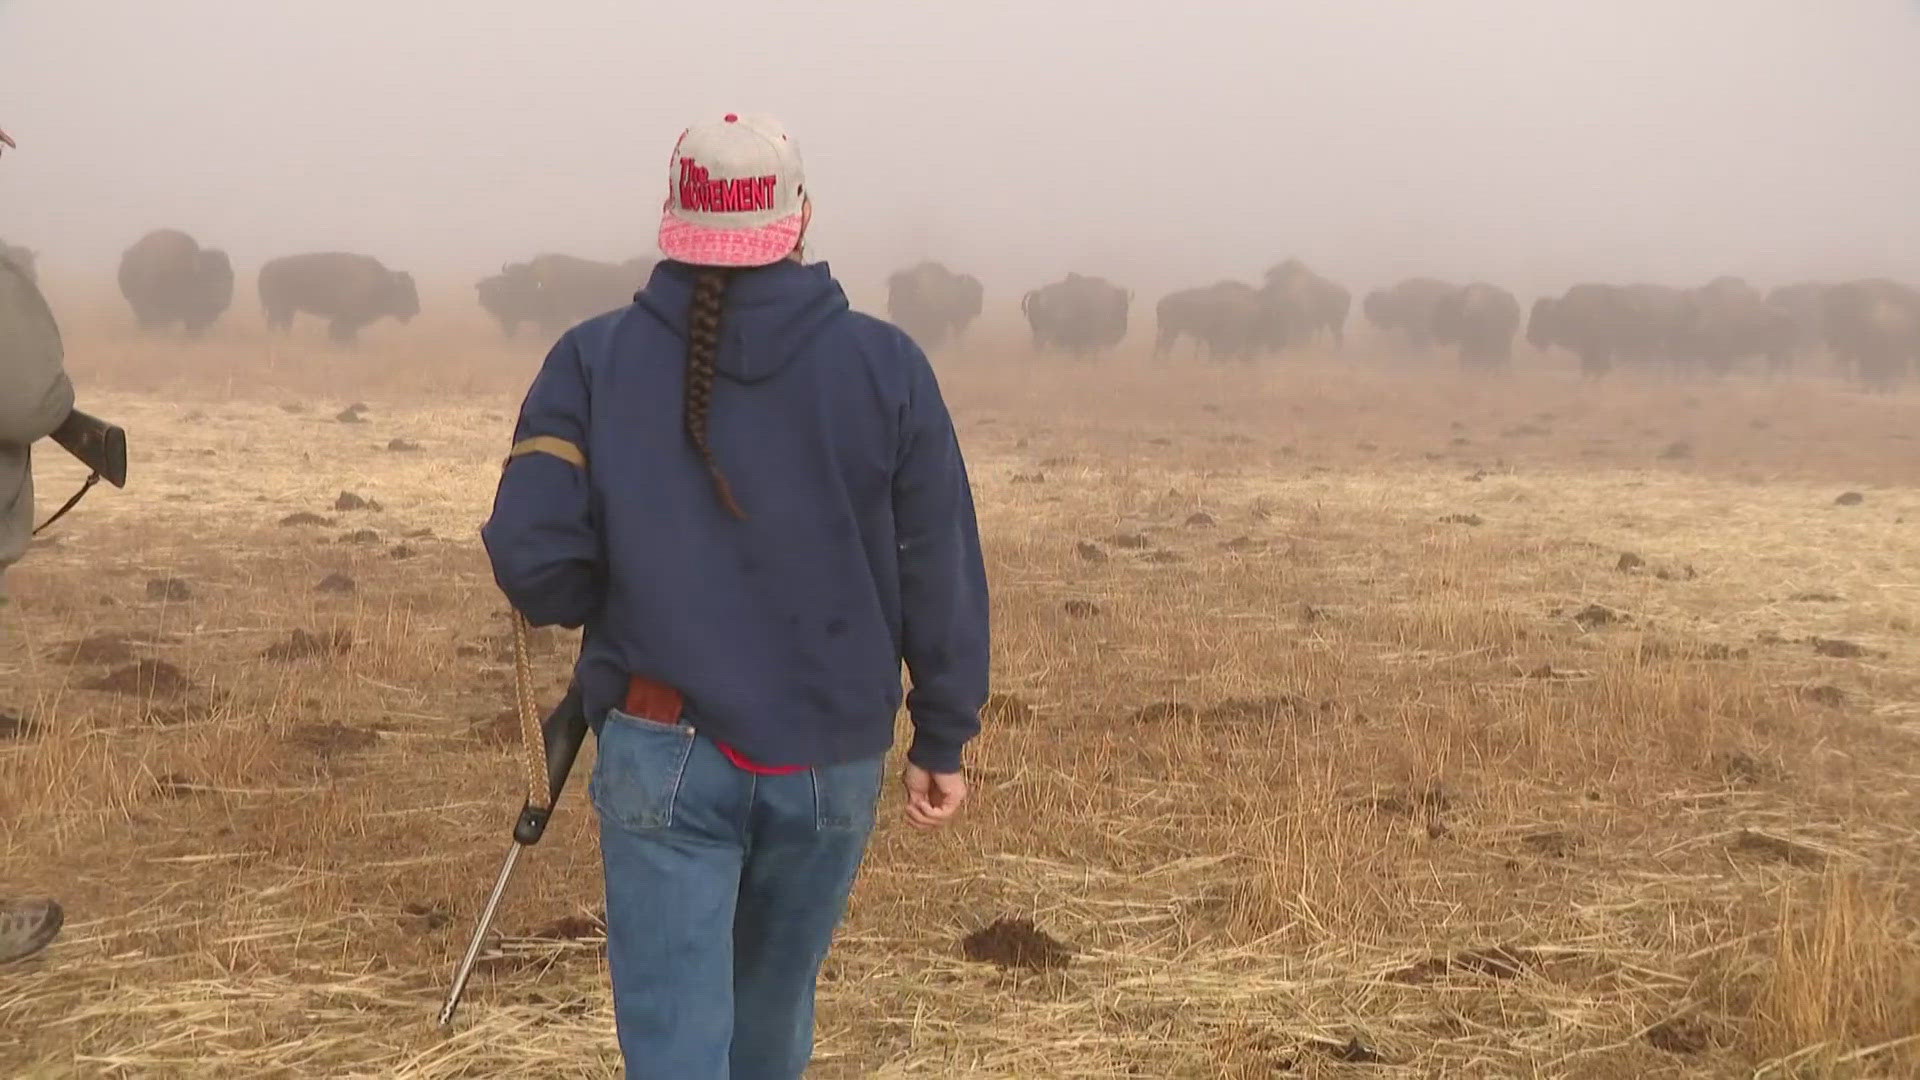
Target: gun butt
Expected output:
[99,445]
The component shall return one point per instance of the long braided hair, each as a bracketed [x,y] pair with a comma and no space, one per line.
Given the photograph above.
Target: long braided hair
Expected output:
[703,350]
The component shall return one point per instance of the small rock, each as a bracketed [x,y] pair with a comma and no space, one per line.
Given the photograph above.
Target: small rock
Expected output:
[168,589]
[1850,498]
[335,582]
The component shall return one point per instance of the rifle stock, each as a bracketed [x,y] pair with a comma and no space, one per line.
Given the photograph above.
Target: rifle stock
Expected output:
[100,446]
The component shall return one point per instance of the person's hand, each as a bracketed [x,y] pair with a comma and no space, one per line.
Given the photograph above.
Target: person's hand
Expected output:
[6,142]
[932,798]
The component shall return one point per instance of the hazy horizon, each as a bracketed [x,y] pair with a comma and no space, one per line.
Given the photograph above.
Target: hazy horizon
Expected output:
[1526,143]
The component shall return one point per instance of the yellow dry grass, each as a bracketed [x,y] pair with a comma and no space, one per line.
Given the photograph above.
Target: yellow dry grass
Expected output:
[1330,766]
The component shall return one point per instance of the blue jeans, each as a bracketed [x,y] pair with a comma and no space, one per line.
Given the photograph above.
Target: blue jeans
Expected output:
[723,891]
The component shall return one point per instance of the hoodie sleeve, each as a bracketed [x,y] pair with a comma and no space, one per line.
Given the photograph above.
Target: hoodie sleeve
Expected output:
[943,582]
[35,394]
[542,538]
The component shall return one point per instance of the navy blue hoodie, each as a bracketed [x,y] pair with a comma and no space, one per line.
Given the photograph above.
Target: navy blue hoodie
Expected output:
[784,633]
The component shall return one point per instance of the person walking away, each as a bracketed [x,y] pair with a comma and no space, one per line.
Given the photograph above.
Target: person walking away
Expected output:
[753,500]
[35,396]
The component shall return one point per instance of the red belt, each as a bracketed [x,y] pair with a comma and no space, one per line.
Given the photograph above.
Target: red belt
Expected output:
[662,704]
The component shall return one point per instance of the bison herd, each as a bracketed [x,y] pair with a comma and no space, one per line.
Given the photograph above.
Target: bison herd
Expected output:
[1870,328]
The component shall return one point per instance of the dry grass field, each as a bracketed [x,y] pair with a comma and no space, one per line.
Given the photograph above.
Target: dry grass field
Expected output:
[1352,719]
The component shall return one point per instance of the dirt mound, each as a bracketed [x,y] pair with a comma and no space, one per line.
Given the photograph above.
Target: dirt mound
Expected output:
[1629,562]
[1162,711]
[96,649]
[1680,1035]
[360,536]
[1594,616]
[402,446]
[352,414]
[1839,649]
[347,500]
[1849,498]
[1778,849]
[1200,519]
[1130,541]
[1825,694]
[1469,520]
[1090,552]
[1015,943]
[1007,709]
[300,645]
[335,582]
[1080,609]
[573,927]
[305,517]
[1498,962]
[424,918]
[18,728]
[1253,710]
[168,589]
[401,551]
[500,729]
[144,678]
[332,738]
[1029,478]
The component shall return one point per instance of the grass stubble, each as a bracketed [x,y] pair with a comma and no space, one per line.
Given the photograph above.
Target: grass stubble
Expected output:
[1332,734]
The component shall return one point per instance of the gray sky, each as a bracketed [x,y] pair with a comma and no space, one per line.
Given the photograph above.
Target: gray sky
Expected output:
[1531,142]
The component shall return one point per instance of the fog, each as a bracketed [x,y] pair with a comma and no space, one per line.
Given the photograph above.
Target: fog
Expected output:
[1528,142]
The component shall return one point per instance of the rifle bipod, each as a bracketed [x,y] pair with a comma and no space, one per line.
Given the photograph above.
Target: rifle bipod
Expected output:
[549,747]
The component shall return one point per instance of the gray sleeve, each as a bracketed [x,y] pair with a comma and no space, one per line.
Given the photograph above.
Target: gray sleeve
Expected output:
[35,395]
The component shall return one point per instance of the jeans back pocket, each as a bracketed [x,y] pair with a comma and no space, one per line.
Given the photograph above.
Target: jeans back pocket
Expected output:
[846,795]
[638,769]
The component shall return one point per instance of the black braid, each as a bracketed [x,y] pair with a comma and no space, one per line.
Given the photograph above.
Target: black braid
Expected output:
[703,349]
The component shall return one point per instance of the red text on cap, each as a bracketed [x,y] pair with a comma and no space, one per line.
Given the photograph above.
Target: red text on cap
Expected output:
[744,194]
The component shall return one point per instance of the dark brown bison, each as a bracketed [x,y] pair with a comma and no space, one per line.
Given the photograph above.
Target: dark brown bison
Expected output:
[1873,327]
[1229,319]
[349,291]
[1479,320]
[1407,309]
[555,292]
[21,258]
[167,278]
[932,304]
[1804,305]
[1079,315]
[1726,321]
[1308,306]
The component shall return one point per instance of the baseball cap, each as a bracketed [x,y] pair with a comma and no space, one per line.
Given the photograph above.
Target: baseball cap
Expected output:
[734,189]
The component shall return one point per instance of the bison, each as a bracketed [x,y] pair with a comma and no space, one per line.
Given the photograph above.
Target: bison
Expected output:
[554,292]
[1804,305]
[1407,309]
[932,304]
[1873,327]
[1728,320]
[167,278]
[1229,319]
[1307,304]
[1078,315]
[1479,320]
[349,291]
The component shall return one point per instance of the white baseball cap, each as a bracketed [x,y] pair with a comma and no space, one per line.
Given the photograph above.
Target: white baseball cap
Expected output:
[734,192]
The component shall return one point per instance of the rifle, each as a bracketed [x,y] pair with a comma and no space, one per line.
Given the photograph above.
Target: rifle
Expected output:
[100,446]
[559,738]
